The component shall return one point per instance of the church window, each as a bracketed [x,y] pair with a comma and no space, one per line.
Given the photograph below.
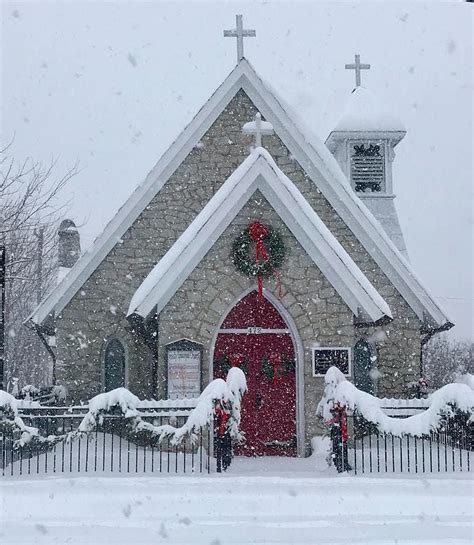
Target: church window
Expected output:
[326,357]
[364,362]
[368,167]
[114,365]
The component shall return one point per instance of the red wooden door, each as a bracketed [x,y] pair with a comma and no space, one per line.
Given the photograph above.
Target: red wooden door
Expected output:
[252,332]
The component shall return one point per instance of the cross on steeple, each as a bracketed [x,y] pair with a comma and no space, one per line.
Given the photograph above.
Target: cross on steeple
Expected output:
[239,33]
[357,66]
[258,128]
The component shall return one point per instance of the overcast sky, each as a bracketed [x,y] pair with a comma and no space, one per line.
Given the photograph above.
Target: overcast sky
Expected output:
[112,84]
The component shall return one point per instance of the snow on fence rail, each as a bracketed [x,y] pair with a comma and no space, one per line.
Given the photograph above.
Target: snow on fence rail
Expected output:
[435,434]
[117,432]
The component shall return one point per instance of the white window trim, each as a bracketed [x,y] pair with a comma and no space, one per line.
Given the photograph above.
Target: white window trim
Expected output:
[313,362]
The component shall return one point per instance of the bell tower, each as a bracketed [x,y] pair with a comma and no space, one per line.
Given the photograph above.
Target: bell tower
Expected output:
[363,143]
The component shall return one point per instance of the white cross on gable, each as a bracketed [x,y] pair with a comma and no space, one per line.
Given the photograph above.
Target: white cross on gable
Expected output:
[357,66]
[258,128]
[240,34]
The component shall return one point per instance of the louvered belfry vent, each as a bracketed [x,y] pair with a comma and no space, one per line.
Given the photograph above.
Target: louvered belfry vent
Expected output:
[367,167]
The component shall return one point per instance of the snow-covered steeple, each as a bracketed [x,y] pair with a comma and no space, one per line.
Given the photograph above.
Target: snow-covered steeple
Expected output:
[363,143]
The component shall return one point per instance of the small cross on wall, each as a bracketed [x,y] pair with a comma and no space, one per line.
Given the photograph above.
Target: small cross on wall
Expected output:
[357,66]
[240,34]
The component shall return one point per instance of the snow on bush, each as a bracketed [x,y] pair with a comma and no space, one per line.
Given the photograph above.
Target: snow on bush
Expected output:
[29,390]
[232,389]
[446,401]
[103,403]
[8,403]
[238,386]
[11,422]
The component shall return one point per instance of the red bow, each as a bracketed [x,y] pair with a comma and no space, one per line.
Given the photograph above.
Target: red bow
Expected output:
[222,417]
[258,231]
[340,418]
[275,362]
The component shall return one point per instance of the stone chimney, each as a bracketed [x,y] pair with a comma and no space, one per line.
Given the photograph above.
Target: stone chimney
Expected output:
[69,249]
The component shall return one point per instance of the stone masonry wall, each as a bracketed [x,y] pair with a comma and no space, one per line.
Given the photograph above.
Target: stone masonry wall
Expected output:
[320,315]
[98,310]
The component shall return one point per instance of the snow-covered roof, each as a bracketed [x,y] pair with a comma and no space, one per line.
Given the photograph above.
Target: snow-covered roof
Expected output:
[260,172]
[311,154]
[364,112]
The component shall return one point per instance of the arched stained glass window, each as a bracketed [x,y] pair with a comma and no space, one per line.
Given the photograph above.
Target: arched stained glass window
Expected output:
[363,363]
[114,365]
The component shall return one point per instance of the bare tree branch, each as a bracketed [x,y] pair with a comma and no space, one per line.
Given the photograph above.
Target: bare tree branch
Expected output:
[28,201]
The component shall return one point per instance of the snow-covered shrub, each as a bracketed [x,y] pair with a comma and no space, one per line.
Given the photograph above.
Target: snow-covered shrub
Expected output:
[101,404]
[125,403]
[12,424]
[230,390]
[449,401]
[29,391]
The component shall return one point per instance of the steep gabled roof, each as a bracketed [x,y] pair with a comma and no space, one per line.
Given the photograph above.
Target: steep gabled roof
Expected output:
[311,154]
[260,172]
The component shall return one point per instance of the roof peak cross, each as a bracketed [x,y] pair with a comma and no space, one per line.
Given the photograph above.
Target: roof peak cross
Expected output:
[357,66]
[239,33]
[258,128]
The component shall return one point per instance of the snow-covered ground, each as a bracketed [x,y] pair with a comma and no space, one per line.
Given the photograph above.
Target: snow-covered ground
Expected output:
[266,500]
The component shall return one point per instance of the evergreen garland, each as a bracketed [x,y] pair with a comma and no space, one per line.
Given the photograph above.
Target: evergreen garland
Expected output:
[287,366]
[267,368]
[223,364]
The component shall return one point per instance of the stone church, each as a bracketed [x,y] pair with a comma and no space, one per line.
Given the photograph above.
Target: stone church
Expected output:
[251,243]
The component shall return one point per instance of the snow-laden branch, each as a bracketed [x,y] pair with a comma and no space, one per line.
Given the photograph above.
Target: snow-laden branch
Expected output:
[445,402]
[11,421]
[230,390]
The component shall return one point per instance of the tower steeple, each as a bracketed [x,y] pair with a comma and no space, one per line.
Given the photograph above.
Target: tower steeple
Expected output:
[363,143]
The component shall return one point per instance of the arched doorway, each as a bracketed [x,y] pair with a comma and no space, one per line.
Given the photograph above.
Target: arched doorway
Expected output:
[363,363]
[114,365]
[255,337]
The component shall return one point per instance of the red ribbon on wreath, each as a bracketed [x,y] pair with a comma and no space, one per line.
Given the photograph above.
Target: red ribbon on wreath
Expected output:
[275,362]
[258,231]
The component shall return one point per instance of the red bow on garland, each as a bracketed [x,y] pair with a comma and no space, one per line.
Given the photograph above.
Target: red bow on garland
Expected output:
[222,416]
[275,362]
[340,418]
[258,231]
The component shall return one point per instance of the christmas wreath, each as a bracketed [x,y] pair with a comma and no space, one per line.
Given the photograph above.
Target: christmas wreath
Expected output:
[269,252]
[274,366]
[225,362]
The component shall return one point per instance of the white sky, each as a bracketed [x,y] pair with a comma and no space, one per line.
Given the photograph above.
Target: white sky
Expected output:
[113,84]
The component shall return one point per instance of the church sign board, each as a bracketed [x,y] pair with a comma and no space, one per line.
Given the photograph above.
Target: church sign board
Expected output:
[326,357]
[183,360]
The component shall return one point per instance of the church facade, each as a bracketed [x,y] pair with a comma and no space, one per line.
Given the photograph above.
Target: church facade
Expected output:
[170,296]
